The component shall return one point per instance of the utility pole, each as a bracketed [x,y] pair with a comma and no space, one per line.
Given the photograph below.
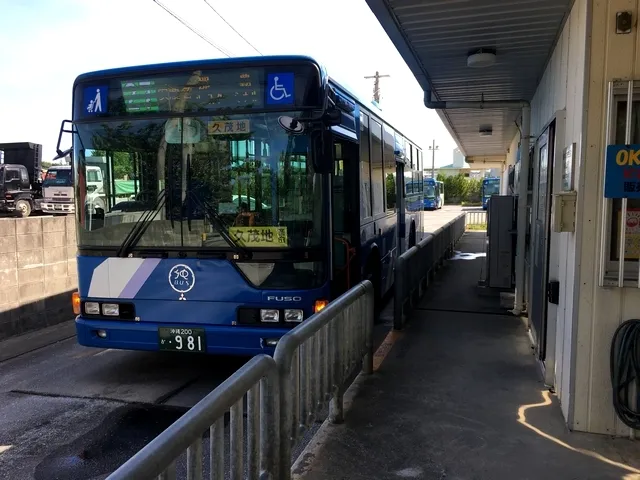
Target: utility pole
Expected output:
[433,147]
[376,85]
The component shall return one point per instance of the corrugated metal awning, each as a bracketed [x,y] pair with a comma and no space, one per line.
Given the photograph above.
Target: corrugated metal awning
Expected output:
[435,38]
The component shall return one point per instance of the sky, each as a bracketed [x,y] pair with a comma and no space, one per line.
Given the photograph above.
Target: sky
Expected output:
[46,44]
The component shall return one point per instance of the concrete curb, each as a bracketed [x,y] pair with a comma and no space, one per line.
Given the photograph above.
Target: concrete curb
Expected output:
[16,346]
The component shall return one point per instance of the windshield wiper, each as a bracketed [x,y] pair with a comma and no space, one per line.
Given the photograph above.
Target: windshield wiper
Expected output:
[136,232]
[219,225]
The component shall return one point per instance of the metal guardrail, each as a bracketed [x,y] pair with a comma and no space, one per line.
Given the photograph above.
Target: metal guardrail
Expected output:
[311,366]
[257,379]
[475,218]
[315,360]
[416,267]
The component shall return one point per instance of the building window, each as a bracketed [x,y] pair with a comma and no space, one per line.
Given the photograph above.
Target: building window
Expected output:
[632,238]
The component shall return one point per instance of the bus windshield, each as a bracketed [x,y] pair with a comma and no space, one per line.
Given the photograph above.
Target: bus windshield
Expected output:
[205,179]
[491,188]
[430,191]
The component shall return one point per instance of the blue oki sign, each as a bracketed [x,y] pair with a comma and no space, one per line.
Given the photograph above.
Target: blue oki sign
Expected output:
[622,171]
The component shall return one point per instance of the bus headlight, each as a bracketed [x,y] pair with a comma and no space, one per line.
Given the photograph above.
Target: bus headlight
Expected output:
[92,308]
[110,310]
[269,316]
[293,316]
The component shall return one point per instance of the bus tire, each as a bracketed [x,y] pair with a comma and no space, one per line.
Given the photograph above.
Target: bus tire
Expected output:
[23,208]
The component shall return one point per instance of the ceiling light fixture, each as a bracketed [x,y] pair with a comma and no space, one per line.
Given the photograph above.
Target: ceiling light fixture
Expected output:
[482,57]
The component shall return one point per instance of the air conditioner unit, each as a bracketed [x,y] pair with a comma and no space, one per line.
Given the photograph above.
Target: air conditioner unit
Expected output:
[501,229]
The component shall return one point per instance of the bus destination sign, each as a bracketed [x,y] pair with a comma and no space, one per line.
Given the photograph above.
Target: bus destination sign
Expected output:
[206,90]
[200,91]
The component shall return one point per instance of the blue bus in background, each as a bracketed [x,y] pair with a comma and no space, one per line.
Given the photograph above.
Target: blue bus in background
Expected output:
[433,194]
[263,190]
[490,186]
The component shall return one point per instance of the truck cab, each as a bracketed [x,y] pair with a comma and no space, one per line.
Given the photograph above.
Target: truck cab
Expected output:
[57,190]
[20,184]
[16,194]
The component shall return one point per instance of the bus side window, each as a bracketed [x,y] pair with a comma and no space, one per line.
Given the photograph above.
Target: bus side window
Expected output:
[365,166]
[377,182]
[389,169]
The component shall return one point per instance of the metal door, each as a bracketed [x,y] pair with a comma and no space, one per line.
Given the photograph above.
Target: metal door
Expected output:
[541,219]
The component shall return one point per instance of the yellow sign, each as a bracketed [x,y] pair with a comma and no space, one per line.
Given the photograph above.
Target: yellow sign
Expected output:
[229,127]
[275,237]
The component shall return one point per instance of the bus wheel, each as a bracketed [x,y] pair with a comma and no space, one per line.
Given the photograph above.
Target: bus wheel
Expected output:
[23,208]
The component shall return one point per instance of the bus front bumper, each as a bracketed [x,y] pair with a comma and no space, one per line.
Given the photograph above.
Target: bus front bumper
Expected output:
[219,339]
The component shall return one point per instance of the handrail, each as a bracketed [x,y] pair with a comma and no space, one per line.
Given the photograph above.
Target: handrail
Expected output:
[312,364]
[415,267]
[316,358]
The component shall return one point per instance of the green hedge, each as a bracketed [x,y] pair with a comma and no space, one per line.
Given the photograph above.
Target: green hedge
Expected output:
[460,189]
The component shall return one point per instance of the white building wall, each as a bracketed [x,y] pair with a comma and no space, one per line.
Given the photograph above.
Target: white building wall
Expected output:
[587,56]
[560,95]
[600,310]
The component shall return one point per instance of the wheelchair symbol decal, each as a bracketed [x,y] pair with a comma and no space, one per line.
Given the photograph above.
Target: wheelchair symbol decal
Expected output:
[280,89]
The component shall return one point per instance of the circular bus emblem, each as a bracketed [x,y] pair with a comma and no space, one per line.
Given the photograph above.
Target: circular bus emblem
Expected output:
[181,279]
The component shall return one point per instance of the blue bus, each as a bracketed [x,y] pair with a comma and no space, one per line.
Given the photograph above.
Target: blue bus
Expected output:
[414,191]
[263,190]
[433,194]
[490,186]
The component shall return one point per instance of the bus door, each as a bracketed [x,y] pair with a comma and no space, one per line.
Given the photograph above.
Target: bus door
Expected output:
[345,215]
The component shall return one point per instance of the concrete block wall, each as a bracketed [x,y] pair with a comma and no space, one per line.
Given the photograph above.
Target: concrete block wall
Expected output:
[37,273]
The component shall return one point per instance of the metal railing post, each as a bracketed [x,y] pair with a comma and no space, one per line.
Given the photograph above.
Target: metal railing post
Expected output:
[325,349]
[398,298]
[367,361]
[158,458]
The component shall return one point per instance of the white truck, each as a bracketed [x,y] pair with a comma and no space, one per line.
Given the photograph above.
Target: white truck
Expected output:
[58,190]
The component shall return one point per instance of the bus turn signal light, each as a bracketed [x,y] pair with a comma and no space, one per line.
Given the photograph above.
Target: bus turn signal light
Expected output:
[75,301]
[320,304]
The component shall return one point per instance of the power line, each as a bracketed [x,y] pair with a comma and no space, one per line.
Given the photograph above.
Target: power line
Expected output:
[231,26]
[194,30]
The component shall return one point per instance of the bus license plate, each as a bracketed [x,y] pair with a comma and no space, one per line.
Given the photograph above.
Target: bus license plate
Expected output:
[178,339]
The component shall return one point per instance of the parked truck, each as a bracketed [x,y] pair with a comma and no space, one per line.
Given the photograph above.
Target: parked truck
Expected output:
[58,189]
[20,180]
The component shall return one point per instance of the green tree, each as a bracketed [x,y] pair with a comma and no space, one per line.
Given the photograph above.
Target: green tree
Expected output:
[459,188]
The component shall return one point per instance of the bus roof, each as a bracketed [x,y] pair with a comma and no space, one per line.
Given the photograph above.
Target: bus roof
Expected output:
[237,61]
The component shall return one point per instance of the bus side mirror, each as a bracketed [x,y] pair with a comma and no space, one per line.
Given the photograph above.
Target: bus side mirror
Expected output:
[332,117]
